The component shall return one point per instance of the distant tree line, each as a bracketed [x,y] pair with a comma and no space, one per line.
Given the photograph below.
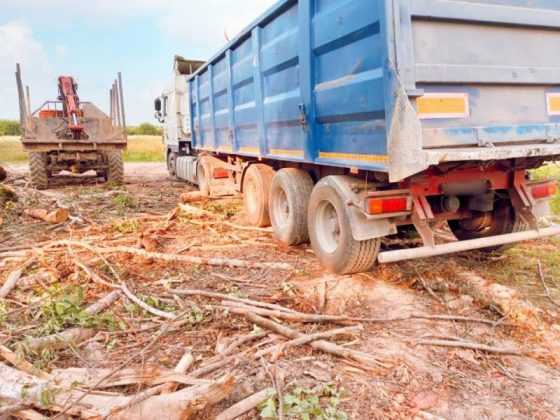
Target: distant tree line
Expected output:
[145,129]
[13,128]
[10,128]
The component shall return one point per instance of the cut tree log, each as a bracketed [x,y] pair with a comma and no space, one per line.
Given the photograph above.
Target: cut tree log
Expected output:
[57,216]
[178,405]
[246,405]
[29,390]
[192,196]
[475,346]
[222,262]
[13,278]
[148,375]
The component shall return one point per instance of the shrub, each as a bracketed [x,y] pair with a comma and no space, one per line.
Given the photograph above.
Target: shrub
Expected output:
[145,129]
[10,128]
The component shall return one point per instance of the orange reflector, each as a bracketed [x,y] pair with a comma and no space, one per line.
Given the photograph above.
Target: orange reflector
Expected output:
[553,103]
[443,105]
[547,189]
[221,174]
[383,205]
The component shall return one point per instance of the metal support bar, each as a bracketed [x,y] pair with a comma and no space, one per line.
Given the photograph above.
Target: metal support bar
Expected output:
[121,100]
[452,247]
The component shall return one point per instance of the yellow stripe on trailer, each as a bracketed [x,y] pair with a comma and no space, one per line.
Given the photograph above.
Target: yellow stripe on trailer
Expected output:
[443,105]
[287,152]
[553,103]
[354,157]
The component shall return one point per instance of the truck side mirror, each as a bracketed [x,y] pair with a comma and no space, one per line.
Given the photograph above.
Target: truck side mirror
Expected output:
[157,104]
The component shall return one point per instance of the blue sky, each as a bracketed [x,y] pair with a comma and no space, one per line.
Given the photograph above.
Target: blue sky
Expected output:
[94,40]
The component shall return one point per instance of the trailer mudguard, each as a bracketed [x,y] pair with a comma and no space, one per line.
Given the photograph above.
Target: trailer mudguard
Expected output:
[350,190]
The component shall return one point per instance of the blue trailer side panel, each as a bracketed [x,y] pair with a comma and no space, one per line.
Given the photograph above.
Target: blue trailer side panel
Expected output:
[305,83]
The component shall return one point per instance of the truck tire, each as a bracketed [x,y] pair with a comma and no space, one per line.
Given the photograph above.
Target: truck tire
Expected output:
[289,201]
[204,174]
[115,167]
[331,235]
[38,170]
[172,163]
[256,194]
[500,221]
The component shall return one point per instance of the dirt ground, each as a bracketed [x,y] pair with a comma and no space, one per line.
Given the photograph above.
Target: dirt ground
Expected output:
[471,336]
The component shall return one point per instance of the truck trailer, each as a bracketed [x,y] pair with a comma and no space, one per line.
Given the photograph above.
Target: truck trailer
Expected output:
[344,121]
[70,135]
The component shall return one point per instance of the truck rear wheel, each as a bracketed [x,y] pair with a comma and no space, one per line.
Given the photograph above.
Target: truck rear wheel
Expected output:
[331,235]
[256,193]
[289,201]
[115,167]
[38,170]
[500,221]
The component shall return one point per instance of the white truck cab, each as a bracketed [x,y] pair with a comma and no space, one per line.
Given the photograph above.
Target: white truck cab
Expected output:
[172,110]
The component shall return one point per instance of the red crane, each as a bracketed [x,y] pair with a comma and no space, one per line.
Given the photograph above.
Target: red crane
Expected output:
[68,94]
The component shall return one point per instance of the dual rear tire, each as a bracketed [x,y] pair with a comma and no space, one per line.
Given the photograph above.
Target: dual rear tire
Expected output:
[300,212]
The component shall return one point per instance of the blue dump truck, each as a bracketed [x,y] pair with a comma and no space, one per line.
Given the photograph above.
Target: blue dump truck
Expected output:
[343,122]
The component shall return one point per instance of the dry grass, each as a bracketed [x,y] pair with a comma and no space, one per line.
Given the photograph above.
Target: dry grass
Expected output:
[140,149]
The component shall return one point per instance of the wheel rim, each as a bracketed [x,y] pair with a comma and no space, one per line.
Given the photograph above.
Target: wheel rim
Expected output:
[250,193]
[327,226]
[280,208]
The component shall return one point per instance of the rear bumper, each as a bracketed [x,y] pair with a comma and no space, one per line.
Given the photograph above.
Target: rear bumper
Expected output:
[437,156]
[452,247]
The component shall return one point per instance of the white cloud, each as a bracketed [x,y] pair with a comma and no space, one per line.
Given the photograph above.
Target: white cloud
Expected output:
[204,27]
[18,45]
[61,50]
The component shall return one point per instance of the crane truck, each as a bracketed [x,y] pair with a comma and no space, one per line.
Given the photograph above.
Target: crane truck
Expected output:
[71,135]
[342,122]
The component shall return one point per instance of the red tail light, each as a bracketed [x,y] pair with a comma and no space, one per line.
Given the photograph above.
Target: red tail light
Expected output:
[381,205]
[220,174]
[547,189]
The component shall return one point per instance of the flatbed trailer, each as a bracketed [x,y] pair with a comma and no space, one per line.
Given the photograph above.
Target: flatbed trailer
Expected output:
[53,145]
[342,121]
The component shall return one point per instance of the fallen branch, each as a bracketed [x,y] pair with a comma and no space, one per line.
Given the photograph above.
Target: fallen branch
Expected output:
[546,289]
[13,278]
[473,346]
[74,335]
[245,405]
[225,262]
[182,367]
[307,339]
[322,345]
[216,295]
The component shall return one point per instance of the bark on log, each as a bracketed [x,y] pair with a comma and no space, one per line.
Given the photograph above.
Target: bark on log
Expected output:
[57,216]
[149,375]
[182,367]
[245,405]
[13,278]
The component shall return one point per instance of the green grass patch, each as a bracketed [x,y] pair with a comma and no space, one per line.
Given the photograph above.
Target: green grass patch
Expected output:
[144,149]
[549,171]
[140,149]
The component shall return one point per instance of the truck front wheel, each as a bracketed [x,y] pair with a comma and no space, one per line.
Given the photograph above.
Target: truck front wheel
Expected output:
[172,163]
[256,193]
[38,170]
[331,234]
[289,200]
[115,167]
